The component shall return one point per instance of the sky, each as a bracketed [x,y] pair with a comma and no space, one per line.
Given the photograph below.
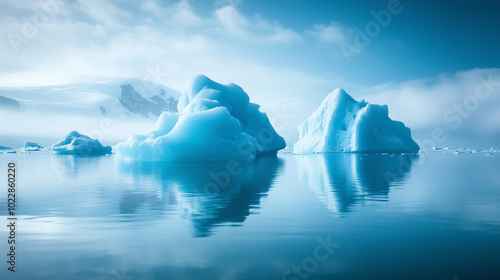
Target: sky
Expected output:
[422,58]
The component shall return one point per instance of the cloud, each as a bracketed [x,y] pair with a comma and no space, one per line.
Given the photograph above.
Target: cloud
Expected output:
[256,29]
[99,37]
[180,13]
[153,7]
[464,104]
[184,14]
[223,3]
[232,21]
[103,12]
[332,33]
[283,35]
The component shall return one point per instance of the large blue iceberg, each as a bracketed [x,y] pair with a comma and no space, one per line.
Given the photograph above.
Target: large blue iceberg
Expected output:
[214,122]
[342,124]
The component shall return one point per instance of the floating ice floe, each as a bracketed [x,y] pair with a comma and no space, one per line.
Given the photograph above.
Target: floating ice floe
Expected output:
[342,124]
[460,151]
[214,122]
[78,144]
[31,146]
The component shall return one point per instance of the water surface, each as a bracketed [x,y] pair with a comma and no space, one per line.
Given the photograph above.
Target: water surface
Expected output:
[335,216]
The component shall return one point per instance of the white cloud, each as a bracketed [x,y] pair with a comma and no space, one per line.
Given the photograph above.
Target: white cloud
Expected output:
[332,33]
[103,12]
[183,13]
[98,37]
[177,14]
[284,35]
[464,103]
[232,21]
[152,6]
[256,29]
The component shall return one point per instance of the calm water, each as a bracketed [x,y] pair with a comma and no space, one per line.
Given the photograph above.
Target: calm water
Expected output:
[351,216]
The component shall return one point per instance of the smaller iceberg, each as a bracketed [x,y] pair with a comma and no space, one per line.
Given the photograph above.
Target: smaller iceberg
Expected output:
[214,122]
[78,144]
[342,124]
[31,146]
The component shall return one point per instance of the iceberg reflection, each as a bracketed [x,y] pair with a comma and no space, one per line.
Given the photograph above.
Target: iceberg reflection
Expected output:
[345,180]
[209,194]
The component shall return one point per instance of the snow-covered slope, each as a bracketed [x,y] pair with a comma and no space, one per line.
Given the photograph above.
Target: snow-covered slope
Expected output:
[9,103]
[94,96]
[342,124]
[135,103]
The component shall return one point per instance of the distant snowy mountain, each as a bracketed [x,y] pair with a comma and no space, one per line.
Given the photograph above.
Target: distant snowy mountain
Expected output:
[8,103]
[135,103]
[94,96]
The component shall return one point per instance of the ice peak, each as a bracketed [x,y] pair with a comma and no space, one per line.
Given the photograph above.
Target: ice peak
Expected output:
[340,95]
[198,82]
[342,124]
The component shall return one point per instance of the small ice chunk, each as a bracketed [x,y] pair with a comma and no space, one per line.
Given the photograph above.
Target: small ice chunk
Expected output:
[31,146]
[78,144]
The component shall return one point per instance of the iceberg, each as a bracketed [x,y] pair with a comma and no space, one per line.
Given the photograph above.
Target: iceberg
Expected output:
[342,124]
[78,144]
[31,146]
[214,122]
